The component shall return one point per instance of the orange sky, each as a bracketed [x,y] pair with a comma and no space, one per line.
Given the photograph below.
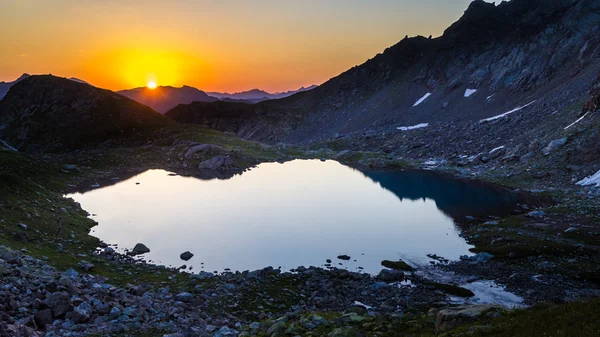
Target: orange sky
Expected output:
[226,45]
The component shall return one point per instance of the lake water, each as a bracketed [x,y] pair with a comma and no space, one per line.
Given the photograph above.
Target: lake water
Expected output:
[287,215]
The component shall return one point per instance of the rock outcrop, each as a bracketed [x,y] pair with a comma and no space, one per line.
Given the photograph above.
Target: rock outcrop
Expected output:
[593,104]
[450,318]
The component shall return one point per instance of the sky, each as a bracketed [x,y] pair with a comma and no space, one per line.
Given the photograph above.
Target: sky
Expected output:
[214,45]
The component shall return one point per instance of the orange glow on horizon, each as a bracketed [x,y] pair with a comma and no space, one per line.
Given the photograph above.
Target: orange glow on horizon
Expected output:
[151,85]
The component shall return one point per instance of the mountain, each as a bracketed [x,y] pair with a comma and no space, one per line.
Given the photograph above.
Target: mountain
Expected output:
[5,86]
[502,75]
[164,98]
[52,114]
[257,95]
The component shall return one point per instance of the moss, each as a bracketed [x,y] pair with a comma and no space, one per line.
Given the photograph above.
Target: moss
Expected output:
[571,319]
[397,265]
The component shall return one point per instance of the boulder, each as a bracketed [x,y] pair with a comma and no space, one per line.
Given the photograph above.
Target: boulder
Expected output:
[387,275]
[82,312]
[221,162]
[186,256]
[554,145]
[204,148]
[139,249]
[450,318]
[277,329]
[43,318]
[184,297]
[59,303]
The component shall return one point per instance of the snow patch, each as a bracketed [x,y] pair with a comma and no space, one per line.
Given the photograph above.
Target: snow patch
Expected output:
[408,128]
[470,92]
[505,114]
[577,121]
[497,149]
[591,180]
[422,99]
[360,304]
[490,97]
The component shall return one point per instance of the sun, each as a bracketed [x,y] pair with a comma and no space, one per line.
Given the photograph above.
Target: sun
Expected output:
[151,85]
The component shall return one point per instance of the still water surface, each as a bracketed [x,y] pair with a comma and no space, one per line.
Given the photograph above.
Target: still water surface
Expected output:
[287,215]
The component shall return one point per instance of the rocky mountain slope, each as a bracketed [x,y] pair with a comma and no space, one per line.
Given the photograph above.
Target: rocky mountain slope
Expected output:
[493,60]
[164,98]
[5,86]
[47,113]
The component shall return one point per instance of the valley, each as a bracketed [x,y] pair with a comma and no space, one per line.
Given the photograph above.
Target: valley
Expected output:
[490,132]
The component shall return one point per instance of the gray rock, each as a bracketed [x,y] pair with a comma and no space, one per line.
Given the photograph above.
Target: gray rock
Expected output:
[205,148]
[85,265]
[450,318]
[43,318]
[277,329]
[82,312]
[186,256]
[536,214]
[114,313]
[184,297]
[221,162]
[554,145]
[389,275]
[225,331]
[59,303]
[140,249]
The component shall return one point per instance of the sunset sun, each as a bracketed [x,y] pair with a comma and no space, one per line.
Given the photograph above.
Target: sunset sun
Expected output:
[151,84]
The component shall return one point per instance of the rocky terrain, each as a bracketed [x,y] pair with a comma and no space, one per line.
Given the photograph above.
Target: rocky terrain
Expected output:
[509,94]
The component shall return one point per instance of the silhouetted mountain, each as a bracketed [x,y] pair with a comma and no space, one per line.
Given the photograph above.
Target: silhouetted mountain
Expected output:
[47,113]
[5,86]
[257,95]
[164,98]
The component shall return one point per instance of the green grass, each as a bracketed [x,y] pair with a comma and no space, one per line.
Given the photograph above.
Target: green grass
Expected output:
[572,319]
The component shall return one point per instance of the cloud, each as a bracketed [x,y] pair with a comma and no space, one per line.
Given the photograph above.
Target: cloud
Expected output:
[22,55]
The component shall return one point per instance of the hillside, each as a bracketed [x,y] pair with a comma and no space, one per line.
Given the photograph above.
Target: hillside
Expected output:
[47,113]
[501,57]
[164,98]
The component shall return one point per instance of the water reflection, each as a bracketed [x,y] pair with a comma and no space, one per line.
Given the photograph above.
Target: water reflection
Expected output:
[292,214]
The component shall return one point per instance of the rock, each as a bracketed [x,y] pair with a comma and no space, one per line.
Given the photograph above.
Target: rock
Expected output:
[346,331]
[536,214]
[82,312]
[43,318]
[139,249]
[221,162]
[71,273]
[59,303]
[277,329]
[554,145]
[387,275]
[186,256]
[397,265]
[85,265]
[225,331]
[114,313]
[7,253]
[206,148]
[450,318]
[184,297]
[344,257]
